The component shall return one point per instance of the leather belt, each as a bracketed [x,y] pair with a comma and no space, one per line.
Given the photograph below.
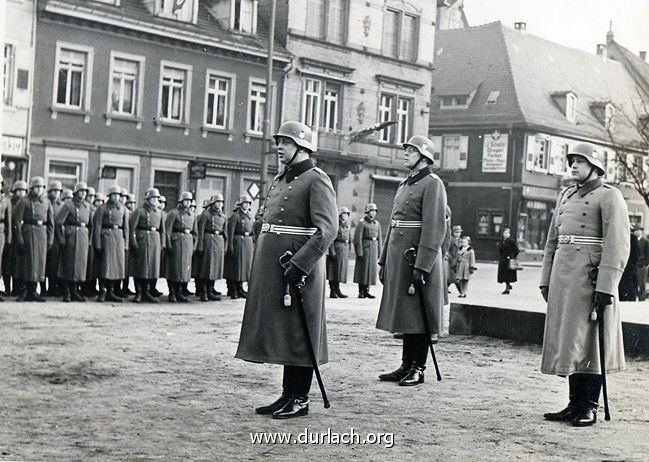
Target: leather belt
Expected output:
[147,228]
[370,238]
[78,225]
[182,231]
[569,239]
[34,222]
[293,230]
[245,233]
[345,241]
[215,232]
[405,224]
[111,227]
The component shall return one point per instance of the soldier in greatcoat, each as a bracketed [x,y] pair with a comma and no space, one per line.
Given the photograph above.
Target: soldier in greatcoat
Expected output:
[5,228]
[93,262]
[367,245]
[34,235]
[54,288]
[162,203]
[589,229]
[196,261]
[211,246]
[10,265]
[181,242]
[240,250]
[338,255]
[147,238]
[110,238]
[418,220]
[128,201]
[73,235]
[89,286]
[299,215]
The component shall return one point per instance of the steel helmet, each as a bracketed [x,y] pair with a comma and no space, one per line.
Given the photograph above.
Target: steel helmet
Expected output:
[66,194]
[81,186]
[91,191]
[370,206]
[20,184]
[53,186]
[114,189]
[421,144]
[99,198]
[152,192]
[131,199]
[163,199]
[587,151]
[245,198]
[298,132]
[186,195]
[37,181]
[123,192]
[217,197]
[342,210]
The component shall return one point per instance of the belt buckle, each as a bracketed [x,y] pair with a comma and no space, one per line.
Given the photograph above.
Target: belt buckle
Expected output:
[265,227]
[393,223]
[571,239]
[39,222]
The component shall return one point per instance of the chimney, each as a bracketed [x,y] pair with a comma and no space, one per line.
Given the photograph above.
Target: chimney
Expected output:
[643,55]
[520,25]
[601,50]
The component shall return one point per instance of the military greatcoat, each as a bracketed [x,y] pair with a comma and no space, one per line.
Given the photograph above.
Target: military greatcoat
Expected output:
[5,227]
[72,233]
[54,252]
[570,342]
[238,259]
[11,265]
[367,244]
[421,197]
[181,243]
[338,257]
[91,271]
[34,235]
[147,238]
[211,244]
[110,237]
[301,196]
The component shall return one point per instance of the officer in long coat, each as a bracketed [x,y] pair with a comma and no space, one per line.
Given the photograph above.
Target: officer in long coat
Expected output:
[34,235]
[589,229]
[5,229]
[110,237]
[54,287]
[367,244]
[148,235]
[299,215]
[162,203]
[210,247]
[418,221]
[73,235]
[10,265]
[238,258]
[181,242]
[338,255]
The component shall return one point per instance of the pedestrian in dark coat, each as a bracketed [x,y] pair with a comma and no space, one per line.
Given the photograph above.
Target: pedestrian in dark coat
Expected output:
[34,236]
[181,243]
[338,255]
[147,238]
[5,232]
[211,246]
[642,263]
[418,221]
[507,250]
[628,287]
[299,215]
[240,249]
[10,263]
[367,244]
[585,253]
[110,238]
[72,232]
[54,287]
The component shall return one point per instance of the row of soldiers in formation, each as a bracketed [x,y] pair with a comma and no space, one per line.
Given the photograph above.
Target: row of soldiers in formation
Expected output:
[89,237]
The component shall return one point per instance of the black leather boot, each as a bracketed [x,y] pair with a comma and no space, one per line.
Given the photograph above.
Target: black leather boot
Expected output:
[332,290]
[274,406]
[66,293]
[568,413]
[172,292]
[367,292]
[202,290]
[110,292]
[138,291]
[152,289]
[396,375]
[338,292]
[147,296]
[101,296]
[414,377]
[75,294]
[34,296]
[297,406]
[361,291]
[180,293]
[211,294]
[235,290]
[242,293]
[586,415]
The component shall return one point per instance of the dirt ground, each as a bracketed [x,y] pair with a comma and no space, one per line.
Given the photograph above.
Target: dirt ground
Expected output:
[159,382]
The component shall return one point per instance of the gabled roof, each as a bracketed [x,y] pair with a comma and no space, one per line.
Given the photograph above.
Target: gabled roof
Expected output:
[528,71]
[637,67]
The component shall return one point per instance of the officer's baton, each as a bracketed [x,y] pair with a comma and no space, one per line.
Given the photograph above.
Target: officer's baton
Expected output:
[283,262]
[411,255]
[599,318]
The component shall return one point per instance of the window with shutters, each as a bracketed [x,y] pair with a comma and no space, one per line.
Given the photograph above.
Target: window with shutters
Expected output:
[244,19]
[400,34]
[73,76]
[327,20]
[175,91]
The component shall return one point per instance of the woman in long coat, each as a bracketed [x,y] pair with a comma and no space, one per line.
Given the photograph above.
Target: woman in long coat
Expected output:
[367,242]
[238,258]
[507,250]
[181,242]
[211,247]
[338,256]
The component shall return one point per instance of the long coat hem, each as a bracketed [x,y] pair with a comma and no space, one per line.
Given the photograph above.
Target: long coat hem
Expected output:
[256,359]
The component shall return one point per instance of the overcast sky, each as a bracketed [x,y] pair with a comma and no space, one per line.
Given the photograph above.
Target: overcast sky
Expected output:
[575,23]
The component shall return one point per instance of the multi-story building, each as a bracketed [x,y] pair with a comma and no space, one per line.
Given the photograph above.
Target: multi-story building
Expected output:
[17,73]
[506,108]
[357,64]
[164,93]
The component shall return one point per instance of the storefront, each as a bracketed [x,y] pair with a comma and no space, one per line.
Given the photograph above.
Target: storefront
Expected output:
[14,160]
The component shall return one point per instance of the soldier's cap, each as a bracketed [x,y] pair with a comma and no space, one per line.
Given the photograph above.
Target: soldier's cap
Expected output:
[114,189]
[163,199]
[55,186]
[152,192]
[99,197]
[81,186]
[457,228]
[66,194]
[186,195]
[371,206]
[218,197]
[19,185]
[423,145]
[588,152]
[36,181]
[300,133]
[342,210]
[245,198]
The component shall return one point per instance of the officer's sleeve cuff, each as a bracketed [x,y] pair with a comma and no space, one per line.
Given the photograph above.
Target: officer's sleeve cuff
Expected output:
[426,258]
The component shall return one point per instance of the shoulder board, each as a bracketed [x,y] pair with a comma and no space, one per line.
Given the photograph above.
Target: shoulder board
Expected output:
[608,186]
[319,170]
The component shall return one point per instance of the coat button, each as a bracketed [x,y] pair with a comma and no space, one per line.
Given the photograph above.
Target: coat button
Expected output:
[583,226]
[290,187]
[584,214]
[279,221]
[286,198]
[281,209]
[586,202]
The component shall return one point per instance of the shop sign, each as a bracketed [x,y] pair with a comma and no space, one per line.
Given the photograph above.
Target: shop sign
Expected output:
[197,171]
[494,153]
[12,146]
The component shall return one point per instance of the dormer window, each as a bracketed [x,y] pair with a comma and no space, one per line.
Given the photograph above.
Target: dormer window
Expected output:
[236,15]
[567,102]
[456,101]
[180,10]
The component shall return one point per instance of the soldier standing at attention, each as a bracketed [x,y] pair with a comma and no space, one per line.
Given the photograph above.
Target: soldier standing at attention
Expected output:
[367,242]
[34,235]
[72,223]
[238,258]
[338,256]
[589,229]
[5,230]
[89,286]
[54,289]
[162,203]
[299,214]
[181,242]
[418,220]
[128,201]
[211,247]
[11,266]
[147,237]
[110,238]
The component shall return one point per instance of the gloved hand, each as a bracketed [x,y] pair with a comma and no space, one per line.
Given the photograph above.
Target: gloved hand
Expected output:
[544,292]
[381,274]
[418,277]
[293,274]
[602,300]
